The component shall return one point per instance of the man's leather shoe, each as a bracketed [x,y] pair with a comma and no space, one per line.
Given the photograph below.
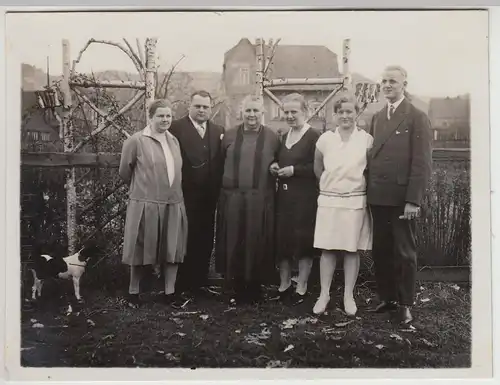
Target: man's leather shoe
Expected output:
[385,306]
[405,315]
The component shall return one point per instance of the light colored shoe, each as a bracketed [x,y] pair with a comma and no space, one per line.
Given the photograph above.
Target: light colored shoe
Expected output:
[321,304]
[350,306]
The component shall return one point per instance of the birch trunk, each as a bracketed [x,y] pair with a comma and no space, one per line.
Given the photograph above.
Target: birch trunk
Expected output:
[150,73]
[68,140]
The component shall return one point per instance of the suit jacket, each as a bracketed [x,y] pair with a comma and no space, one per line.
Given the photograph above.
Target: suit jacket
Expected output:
[400,161]
[203,164]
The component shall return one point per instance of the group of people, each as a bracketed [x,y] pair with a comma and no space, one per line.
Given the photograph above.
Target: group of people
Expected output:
[278,202]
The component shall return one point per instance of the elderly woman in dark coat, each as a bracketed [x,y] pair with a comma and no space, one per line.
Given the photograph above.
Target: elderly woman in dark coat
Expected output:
[245,222]
[296,200]
[156,222]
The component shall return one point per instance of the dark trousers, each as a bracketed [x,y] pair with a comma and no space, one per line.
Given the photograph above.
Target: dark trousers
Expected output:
[394,255]
[193,272]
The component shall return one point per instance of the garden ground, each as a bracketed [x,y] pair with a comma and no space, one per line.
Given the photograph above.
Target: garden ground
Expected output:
[208,332]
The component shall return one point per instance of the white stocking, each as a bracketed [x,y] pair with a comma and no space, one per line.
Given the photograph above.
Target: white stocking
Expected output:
[327,266]
[170,277]
[305,266]
[285,275]
[351,270]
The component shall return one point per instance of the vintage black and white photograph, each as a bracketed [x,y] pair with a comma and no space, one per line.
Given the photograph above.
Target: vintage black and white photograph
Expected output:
[278,189]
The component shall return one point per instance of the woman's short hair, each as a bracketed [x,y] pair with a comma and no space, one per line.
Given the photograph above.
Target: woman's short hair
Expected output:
[252,98]
[158,103]
[296,97]
[345,99]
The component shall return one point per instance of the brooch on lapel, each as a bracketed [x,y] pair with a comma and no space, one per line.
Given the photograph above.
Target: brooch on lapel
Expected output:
[398,132]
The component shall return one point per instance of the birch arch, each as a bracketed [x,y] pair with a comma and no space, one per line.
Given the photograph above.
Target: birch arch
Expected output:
[144,61]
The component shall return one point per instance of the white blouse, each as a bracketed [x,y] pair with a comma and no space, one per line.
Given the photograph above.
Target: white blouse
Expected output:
[342,183]
[169,158]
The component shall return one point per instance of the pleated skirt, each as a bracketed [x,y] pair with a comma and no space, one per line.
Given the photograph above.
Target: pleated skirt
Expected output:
[155,233]
[339,228]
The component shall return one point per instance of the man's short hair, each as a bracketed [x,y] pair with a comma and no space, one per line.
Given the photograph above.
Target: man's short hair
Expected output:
[252,98]
[202,93]
[400,69]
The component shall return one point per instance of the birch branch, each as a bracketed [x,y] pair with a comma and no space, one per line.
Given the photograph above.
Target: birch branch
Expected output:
[99,111]
[137,58]
[168,76]
[109,120]
[140,51]
[271,56]
[108,42]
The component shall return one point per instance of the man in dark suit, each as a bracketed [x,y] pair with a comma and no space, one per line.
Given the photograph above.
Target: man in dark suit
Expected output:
[202,169]
[399,167]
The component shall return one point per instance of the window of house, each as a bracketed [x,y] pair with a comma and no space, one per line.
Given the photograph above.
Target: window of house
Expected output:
[244,76]
[33,135]
[276,112]
[45,136]
[313,106]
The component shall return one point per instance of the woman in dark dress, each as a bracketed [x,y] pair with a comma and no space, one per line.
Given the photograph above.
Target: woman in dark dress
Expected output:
[296,199]
[245,223]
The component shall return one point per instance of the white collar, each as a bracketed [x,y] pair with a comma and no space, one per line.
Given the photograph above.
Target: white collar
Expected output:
[148,131]
[302,131]
[397,103]
[196,124]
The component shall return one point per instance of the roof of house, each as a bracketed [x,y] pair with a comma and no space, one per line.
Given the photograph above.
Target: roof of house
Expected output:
[450,108]
[36,120]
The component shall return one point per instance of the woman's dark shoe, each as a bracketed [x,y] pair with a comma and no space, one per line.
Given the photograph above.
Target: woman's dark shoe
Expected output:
[133,300]
[173,300]
[297,299]
[287,294]
[385,306]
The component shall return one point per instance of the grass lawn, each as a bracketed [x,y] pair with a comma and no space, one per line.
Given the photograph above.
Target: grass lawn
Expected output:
[207,332]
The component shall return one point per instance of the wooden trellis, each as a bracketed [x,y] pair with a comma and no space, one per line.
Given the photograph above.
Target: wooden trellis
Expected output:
[365,93]
[71,82]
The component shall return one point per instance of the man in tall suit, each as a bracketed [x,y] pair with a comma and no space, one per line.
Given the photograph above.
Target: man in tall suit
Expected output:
[202,169]
[399,167]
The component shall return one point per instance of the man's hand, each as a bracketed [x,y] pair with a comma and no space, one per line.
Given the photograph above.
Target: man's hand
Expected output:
[411,212]
[274,168]
[285,172]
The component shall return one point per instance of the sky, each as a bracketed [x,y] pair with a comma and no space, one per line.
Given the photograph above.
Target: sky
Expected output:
[441,50]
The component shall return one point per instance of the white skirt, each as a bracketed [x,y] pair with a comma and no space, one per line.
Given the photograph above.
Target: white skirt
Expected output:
[339,228]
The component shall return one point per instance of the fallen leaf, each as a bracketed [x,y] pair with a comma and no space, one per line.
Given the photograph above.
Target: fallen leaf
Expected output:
[310,320]
[229,309]
[310,333]
[379,347]
[422,288]
[278,364]
[334,338]
[358,318]
[171,357]
[90,322]
[397,337]
[425,300]
[356,359]
[456,287]
[263,324]
[38,326]
[342,324]
[408,330]
[290,323]
[368,300]
[184,313]
[33,321]
[181,334]
[428,343]
[160,352]
[204,317]
[367,342]
[185,303]
[288,348]
[237,331]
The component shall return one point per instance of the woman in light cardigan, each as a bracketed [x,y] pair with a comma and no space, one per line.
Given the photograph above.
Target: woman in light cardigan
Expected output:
[343,222]
[156,222]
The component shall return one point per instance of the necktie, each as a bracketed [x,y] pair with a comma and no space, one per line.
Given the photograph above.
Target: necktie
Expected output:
[201,130]
[391,111]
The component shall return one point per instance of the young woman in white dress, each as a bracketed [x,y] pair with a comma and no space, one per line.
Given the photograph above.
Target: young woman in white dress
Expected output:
[343,221]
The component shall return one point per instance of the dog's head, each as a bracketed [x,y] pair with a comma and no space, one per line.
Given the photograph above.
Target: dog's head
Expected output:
[88,253]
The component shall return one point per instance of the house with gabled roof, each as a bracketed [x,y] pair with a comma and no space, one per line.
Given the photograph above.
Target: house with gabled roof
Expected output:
[289,61]
[450,119]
